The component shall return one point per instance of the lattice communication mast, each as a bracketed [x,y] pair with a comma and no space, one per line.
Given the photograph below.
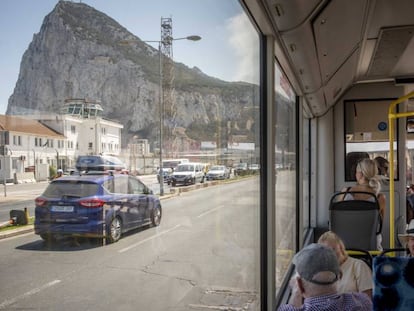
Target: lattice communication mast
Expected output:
[168,83]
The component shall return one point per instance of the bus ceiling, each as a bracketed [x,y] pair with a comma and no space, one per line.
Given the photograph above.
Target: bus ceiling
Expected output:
[332,45]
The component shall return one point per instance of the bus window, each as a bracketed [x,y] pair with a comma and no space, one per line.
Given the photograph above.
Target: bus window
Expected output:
[366,135]
[285,157]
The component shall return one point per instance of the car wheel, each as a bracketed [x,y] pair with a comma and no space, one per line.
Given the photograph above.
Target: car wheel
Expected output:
[47,237]
[115,230]
[156,215]
[173,183]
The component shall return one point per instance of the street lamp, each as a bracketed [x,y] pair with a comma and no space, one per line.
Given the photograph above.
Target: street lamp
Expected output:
[160,43]
[164,41]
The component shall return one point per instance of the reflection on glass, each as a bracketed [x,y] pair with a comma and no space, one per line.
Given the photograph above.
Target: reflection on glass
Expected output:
[285,168]
[203,96]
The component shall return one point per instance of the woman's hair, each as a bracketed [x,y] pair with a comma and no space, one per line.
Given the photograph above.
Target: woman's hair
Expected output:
[330,236]
[382,165]
[333,238]
[369,170]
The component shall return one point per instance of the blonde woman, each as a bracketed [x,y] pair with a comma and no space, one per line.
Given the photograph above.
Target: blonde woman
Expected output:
[356,275]
[368,180]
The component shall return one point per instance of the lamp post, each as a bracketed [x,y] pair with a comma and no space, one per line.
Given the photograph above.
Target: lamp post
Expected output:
[166,41]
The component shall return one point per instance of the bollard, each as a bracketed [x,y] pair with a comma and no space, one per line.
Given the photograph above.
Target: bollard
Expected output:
[26,213]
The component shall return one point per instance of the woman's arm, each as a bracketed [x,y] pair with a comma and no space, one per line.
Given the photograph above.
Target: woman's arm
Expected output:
[382,204]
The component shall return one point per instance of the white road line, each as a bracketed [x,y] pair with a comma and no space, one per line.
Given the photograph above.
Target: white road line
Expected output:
[148,239]
[9,302]
[210,211]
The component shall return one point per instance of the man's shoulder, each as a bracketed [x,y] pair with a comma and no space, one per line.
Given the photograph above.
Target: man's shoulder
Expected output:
[357,299]
[288,307]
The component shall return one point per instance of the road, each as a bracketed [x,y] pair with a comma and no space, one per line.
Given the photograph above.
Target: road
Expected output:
[203,256]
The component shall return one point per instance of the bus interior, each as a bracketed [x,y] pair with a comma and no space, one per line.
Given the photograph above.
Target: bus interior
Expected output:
[350,66]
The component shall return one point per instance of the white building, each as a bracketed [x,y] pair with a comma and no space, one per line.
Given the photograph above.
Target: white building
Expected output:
[25,145]
[57,139]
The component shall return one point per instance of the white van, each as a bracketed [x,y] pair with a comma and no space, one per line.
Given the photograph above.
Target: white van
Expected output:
[187,174]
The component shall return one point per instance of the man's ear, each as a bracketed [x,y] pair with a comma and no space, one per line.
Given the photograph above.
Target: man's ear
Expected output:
[300,284]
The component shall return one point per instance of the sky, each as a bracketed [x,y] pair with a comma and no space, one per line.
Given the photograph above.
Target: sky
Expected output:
[225,50]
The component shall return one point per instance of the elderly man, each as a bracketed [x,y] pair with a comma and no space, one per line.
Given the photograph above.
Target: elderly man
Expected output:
[407,239]
[317,273]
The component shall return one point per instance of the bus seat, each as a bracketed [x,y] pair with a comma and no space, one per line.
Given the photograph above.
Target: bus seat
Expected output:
[356,222]
[351,161]
[393,283]
[392,252]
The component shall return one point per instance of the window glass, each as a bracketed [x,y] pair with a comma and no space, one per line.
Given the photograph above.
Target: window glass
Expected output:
[135,186]
[285,169]
[121,184]
[305,165]
[366,136]
[194,101]
[409,154]
[75,189]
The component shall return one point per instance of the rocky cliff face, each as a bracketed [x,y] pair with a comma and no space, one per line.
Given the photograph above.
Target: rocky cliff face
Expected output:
[77,54]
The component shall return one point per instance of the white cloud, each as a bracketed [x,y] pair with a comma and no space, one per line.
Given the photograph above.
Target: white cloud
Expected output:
[244,41]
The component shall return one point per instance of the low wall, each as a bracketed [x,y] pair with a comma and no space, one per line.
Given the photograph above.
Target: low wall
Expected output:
[21,178]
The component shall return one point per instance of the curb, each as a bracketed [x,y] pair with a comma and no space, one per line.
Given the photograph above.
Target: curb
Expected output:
[13,232]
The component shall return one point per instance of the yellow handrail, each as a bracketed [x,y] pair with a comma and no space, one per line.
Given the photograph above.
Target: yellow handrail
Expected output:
[392,115]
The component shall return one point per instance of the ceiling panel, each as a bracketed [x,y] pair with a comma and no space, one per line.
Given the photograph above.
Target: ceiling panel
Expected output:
[338,32]
[289,14]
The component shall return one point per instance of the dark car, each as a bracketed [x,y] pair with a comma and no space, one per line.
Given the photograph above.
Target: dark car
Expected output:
[166,175]
[95,205]
[99,163]
[241,169]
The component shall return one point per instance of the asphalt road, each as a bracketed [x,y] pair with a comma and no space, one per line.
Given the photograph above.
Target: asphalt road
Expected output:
[203,256]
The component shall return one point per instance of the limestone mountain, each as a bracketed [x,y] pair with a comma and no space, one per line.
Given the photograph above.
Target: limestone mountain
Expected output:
[77,54]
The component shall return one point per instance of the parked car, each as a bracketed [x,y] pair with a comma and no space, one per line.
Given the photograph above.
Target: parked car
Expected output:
[166,174]
[254,168]
[218,172]
[241,169]
[187,174]
[95,205]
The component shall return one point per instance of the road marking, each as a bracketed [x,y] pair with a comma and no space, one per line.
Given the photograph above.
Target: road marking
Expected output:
[148,239]
[210,211]
[9,302]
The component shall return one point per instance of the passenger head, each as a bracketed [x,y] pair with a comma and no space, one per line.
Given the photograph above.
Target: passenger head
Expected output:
[333,241]
[366,172]
[407,239]
[318,269]
[382,165]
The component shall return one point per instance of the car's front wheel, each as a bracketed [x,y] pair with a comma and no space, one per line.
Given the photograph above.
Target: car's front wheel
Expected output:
[115,230]
[156,215]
